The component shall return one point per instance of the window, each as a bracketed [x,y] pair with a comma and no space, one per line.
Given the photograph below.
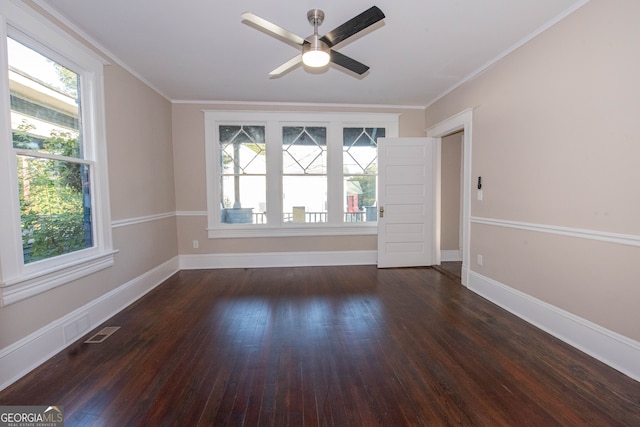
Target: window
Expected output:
[289,174]
[304,174]
[56,228]
[53,176]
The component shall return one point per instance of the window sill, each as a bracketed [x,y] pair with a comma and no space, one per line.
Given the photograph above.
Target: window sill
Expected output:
[309,230]
[25,287]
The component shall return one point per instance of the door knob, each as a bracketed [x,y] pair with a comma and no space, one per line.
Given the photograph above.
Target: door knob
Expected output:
[381,211]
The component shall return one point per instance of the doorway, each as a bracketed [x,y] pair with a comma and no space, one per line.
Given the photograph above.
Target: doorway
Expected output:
[451,164]
[461,122]
[451,197]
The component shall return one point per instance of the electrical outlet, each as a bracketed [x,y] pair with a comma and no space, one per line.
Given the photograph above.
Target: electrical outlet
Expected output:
[196,244]
[479,259]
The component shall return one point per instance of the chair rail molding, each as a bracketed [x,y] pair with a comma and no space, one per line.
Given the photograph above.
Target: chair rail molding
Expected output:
[603,236]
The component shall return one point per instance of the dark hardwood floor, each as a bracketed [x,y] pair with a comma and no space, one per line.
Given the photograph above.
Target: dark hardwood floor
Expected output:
[330,346]
[452,269]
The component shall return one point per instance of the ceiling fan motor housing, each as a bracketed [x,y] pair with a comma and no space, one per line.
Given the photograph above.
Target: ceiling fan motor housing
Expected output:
[315,17]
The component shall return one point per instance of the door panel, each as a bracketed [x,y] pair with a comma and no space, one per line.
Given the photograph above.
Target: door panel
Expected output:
[406,202]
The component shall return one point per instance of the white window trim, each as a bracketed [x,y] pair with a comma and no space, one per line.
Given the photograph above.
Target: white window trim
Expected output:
[273,120]
[19,281]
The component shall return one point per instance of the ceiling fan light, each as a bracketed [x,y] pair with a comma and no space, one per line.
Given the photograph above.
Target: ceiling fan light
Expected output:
[315,54]
[315,58]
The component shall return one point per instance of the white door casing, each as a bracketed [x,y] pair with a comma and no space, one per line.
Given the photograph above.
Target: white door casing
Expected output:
[406,201]
[459,122]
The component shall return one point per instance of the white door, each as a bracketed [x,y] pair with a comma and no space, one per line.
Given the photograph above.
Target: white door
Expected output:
[406,220]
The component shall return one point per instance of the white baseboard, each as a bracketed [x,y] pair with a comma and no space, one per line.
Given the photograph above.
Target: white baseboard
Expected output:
[609,347]
[277,259]
[464,275]
[451,255]
[25,355]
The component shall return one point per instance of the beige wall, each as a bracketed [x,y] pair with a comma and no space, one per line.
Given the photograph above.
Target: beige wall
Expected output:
[190,184]
[553,140]
[139,147]
[451,170]
[140,160]
[140,173]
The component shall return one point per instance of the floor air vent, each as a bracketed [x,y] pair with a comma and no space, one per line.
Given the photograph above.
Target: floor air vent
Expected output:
[102,335]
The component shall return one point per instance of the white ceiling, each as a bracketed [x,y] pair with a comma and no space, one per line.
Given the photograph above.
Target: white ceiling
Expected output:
[200,50]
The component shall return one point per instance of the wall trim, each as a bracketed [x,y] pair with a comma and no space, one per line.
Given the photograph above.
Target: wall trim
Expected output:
[21,357]
[277,259]
[140,219]
[298,104]
[611,348]
[603,236]
[191,213]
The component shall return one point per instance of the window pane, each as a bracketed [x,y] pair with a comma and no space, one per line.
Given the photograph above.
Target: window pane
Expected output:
[243,188]
[360,166]
[242,149]
[45,108]
[304,150]
[243,199]
[360,194]
[360,150]
[304,198]
[55,207]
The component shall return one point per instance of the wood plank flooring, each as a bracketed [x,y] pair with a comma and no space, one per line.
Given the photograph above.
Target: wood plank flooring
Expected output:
[325,346]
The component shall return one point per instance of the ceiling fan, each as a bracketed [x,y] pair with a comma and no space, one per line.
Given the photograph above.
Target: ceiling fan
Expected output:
[318,51]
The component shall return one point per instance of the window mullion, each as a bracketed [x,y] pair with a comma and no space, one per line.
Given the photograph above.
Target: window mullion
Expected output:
[274,172]
[334,172]
[41,155]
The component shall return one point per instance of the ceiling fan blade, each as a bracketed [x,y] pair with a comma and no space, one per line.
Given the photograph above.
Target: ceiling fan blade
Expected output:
[286,67]
[353,26]
[348,63]
[273,29]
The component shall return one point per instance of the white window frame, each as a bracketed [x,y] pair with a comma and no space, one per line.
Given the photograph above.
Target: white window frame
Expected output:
[273,121]
[17,280]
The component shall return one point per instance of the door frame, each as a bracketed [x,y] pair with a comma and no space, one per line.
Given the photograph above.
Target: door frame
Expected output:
[459,122]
